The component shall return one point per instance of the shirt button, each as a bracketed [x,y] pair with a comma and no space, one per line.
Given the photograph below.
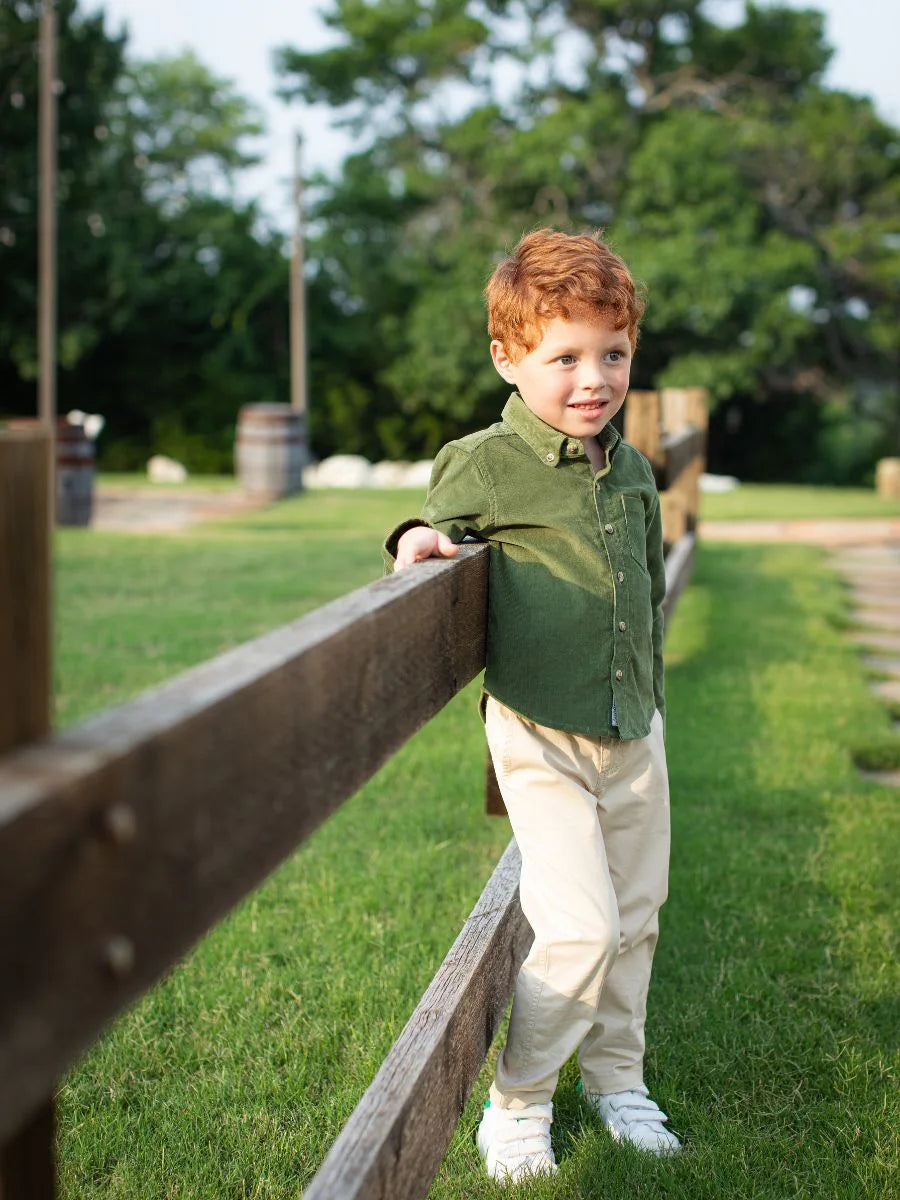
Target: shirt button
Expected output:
[620,575]
[622,626]
[609,528]
[549,458]
[618,674]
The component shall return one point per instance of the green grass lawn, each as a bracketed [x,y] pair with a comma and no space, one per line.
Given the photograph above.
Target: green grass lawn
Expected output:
[779,502]
[749,502]
[773,1025]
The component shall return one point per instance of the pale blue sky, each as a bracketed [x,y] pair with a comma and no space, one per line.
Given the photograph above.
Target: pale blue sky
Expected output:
[236,39]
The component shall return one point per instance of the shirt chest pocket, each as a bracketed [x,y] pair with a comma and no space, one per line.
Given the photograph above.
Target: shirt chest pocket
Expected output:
[635,529]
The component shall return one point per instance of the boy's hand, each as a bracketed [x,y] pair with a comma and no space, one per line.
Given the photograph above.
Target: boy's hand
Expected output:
[420,543]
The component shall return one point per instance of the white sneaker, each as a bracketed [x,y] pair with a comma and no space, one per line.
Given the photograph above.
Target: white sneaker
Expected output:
[633,1117]
[515,1143]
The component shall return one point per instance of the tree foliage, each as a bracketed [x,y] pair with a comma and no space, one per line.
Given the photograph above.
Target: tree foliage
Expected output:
[754,203]
[172,297]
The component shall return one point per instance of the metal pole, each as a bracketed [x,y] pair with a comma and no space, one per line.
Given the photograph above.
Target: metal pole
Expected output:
[47,220]
[298,298]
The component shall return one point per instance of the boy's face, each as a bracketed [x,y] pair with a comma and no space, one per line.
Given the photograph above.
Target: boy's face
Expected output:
[576,378]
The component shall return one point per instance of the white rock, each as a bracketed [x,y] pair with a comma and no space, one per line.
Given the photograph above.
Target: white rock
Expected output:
[419,474]
[718,483]
[165,470]
[341,470]
[386,474]
[91,423]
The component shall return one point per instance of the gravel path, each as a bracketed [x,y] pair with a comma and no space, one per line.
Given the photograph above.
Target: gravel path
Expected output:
[164,510]
[847,532]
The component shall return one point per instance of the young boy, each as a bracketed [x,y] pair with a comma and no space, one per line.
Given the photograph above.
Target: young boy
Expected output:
[574,701]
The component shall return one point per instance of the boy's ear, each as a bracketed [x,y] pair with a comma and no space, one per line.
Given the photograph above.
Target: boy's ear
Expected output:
[502,361]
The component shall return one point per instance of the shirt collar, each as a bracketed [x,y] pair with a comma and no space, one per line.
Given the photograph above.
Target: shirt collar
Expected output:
[549,444]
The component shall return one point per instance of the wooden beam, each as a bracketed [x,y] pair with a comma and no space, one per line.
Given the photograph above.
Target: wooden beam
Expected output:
[684,407]
[392,1145]
[125,839]
[679,451]
[642,423]
[27,1160]
[25,523]
[679,564]
[679,480]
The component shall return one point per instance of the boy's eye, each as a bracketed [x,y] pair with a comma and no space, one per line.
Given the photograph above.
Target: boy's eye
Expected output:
[567,359]
[615,355]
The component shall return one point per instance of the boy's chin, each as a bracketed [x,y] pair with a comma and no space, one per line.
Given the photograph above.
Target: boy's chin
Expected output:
[587,421]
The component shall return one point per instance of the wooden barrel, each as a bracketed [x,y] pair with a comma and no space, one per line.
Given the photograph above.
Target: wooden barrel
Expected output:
[270,449]
[887,478]
[74,475]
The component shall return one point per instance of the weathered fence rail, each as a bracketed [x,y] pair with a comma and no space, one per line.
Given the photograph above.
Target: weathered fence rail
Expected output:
[125,839]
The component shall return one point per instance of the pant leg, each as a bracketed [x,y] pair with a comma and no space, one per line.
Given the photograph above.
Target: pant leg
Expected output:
[634,817]
[549,780]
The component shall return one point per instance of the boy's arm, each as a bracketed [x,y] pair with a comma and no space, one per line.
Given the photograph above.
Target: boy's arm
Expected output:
[458,505]
[656,565]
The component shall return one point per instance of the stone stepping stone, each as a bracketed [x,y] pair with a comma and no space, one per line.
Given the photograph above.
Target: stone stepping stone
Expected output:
[887,689]
[878,618]
[877,576]
[885,778]
[884,581]
[876,641]
[868,570]
[877,554]
[877,572]
[878,662]
[891,611]
[876,598]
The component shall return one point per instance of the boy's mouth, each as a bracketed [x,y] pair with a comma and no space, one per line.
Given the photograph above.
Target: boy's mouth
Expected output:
[589,406]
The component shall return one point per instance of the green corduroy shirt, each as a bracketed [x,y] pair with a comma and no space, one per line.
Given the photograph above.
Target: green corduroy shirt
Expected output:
[577,577]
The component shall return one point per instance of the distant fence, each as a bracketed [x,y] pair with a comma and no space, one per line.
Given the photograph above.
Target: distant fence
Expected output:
[125,839]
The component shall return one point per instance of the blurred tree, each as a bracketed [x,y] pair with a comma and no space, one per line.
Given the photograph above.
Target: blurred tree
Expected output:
[93,283]
[207,329]
[172,294]
[754,203]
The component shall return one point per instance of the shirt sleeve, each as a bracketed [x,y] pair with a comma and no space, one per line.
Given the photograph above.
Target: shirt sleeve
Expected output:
[458,502]
[656,565]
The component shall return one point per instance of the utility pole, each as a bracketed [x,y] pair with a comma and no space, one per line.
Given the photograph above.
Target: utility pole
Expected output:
[298,296]
[47,220]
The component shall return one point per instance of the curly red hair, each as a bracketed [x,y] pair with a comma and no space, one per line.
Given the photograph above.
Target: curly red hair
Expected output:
[552,274]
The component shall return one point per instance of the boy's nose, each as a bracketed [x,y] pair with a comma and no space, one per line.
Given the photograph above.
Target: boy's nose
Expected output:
[591,376]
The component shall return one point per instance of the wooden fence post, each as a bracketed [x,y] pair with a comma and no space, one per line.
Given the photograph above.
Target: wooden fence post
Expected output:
[682,407]
[697,415]
[642,424]
[27,1161]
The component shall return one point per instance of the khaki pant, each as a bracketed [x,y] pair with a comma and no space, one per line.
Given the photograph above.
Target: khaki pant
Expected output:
[591,818]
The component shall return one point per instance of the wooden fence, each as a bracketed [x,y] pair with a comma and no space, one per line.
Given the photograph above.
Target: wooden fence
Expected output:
[125,839]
